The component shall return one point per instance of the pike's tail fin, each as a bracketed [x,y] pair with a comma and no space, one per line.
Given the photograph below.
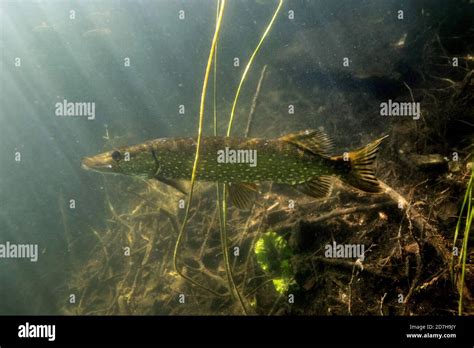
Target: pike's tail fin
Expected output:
[362,174]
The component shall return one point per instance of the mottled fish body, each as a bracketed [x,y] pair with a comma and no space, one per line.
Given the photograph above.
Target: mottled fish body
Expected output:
[302,160]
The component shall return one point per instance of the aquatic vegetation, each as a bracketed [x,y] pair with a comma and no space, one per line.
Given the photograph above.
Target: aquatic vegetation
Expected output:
[221,198]
[125,300]
[274,257]
[249,64]
[464,224]
[198,147]
[176,253]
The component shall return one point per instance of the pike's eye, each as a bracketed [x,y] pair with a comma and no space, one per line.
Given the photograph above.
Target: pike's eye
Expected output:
[116,156]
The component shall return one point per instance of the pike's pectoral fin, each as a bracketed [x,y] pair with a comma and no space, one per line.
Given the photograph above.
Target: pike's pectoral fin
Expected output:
[317,187]
[179,185]
[242,195]
[312,140]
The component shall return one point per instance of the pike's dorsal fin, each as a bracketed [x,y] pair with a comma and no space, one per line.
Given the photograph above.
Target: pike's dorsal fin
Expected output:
[312,140]
[179,185]
[317,187]
[242,194]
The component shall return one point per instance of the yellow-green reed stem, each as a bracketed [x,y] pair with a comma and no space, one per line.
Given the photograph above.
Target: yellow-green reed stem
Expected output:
[464,256]
[215,134]
[215,109]
[215,75]
[222,226]
[246,70]
[467,228]
[196,157]
[458,225]
[222,199]
[225,251]
[215,117]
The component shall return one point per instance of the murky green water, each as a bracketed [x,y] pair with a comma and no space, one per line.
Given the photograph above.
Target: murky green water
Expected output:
[141,64]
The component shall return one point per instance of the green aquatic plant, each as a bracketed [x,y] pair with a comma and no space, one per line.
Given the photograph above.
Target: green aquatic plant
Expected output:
[221,201]
[222,196]
[249,64]
[466,214]
[198,147]
[274,257]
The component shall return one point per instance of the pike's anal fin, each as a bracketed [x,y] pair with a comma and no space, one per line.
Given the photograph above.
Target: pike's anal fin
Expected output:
[179,185]
[317,187]
[242,195]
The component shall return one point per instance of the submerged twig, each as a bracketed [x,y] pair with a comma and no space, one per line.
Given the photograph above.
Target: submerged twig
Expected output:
[254,102]
[104,248]
[432,236]
[67,235]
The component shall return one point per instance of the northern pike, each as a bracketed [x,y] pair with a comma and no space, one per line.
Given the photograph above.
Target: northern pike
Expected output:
[302,160]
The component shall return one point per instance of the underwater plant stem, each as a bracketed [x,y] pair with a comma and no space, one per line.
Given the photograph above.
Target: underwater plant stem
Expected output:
[67,235]
[247,68]
[277,301]
[196,157]
[225,251]
[467,229]
[464,257]
[254,102]
[222,200]
[215,73]
[222,209]
[104,249]
[208,232]
[458,224]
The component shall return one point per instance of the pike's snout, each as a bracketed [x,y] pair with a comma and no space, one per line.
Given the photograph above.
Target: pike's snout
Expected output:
[96,163]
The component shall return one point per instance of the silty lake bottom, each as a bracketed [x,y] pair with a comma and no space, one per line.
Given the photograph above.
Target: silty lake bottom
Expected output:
[83,78]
